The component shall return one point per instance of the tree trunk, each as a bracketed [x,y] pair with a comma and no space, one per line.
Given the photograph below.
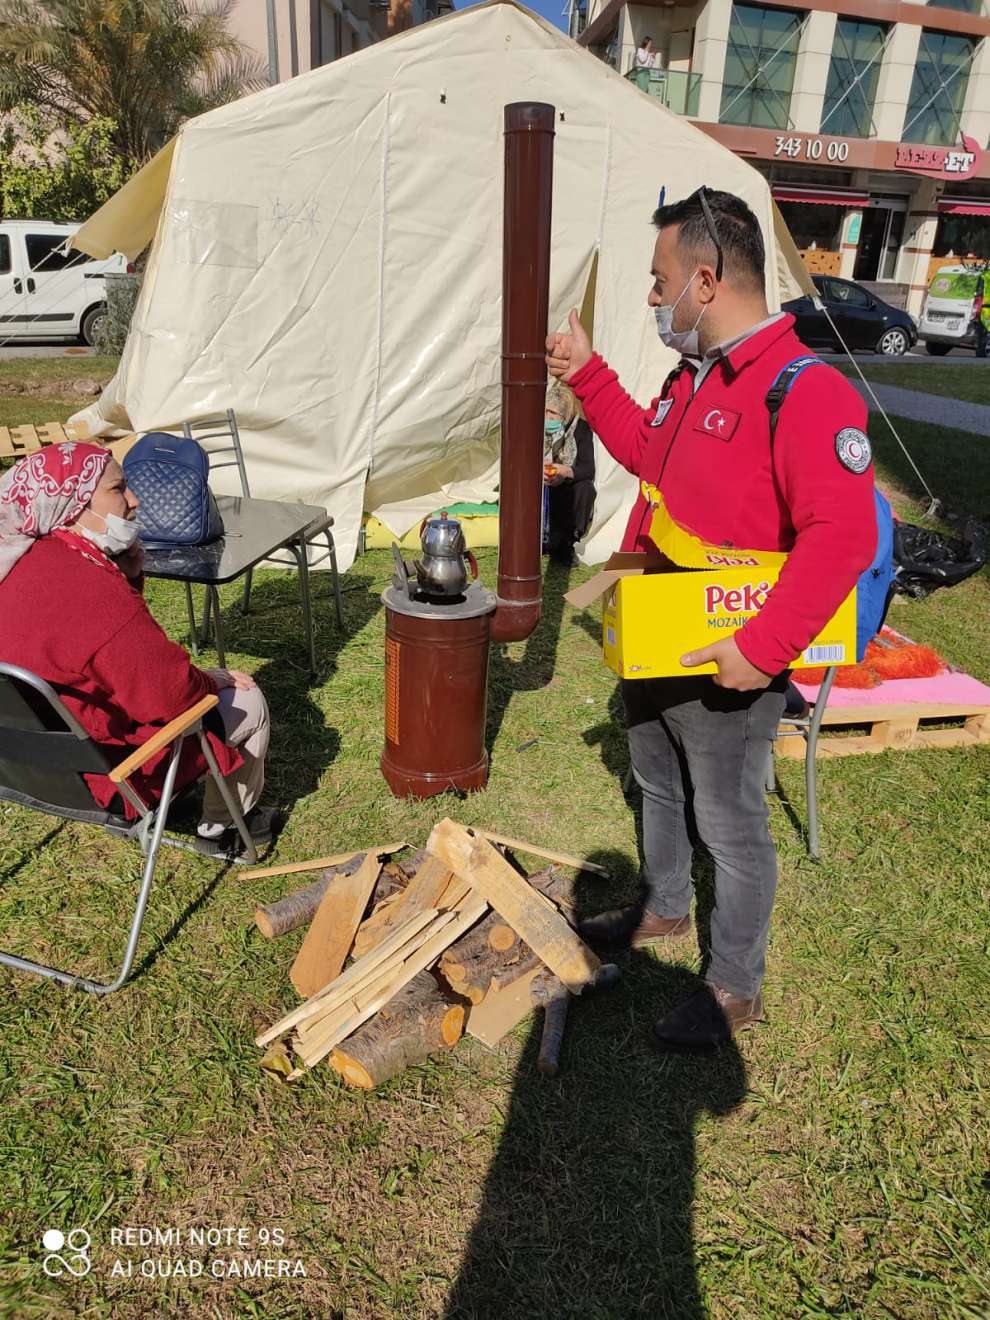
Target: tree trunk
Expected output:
[419,1021]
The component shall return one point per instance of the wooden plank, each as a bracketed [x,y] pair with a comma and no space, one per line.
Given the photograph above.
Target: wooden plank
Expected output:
[920,710]
[422,959]
[356,974]
[6,443]
[532,916]
[979,727]
[894,733]
[52,433]
[423,891]
[331,933]
[25,439]
[565,859]
[501,1010]
[318,863]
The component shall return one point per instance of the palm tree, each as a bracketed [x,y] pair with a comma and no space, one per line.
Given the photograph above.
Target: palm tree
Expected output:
[147,65]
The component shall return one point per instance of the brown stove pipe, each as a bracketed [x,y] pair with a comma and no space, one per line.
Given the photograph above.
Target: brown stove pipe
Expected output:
[529,133]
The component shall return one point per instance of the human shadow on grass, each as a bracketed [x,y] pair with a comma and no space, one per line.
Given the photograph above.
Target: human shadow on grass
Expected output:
[535,668]
[303,745]
[589,1204]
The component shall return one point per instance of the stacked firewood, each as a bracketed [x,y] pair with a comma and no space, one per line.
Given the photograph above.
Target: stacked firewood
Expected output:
[405,950]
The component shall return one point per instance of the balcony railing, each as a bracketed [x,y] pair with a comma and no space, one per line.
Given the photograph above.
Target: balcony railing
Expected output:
[673,88]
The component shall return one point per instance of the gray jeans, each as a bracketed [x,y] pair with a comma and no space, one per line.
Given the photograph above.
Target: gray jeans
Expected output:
[700,754]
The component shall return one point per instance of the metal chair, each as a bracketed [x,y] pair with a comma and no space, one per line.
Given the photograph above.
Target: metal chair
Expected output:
[44,753]
[807,727]
[223,427]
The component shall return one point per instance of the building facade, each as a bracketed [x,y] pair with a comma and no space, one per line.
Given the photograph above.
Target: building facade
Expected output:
[295,36]
[869,118]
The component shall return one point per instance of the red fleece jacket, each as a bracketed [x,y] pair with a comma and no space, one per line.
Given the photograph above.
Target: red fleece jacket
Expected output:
[710,455]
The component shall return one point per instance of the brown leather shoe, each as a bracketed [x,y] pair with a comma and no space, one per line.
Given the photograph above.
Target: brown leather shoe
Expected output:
[711,1017]
[632,927]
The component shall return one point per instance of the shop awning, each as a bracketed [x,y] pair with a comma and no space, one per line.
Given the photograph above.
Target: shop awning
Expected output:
[820,196]
[964,206]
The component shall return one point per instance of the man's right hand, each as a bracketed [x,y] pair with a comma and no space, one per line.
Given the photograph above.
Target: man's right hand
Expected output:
[567,354]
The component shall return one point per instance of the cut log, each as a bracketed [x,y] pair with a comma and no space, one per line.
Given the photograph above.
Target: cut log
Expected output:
[549,993]
[331,933]
[469,965]
[432,878]
[502,938]
[530,914]
[288,913]
[418,1022]
[319,863]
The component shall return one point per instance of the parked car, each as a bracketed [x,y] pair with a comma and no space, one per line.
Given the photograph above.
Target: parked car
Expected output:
[862,319]
[46,293]
[956,311]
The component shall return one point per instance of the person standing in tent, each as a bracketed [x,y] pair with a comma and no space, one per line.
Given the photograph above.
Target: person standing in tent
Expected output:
[700,745]
[568,473]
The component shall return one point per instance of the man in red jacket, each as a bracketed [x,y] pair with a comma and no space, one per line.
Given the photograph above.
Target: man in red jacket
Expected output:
[700,746]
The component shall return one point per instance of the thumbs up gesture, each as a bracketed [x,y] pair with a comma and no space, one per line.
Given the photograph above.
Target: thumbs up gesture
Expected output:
[567,354]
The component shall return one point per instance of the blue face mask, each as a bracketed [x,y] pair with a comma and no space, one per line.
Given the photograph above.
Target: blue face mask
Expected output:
[552,425]
[682,341]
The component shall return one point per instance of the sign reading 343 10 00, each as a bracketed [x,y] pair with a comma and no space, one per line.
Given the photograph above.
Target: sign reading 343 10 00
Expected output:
[811,148]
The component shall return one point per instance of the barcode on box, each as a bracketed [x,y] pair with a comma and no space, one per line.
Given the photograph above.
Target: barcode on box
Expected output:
[825,655]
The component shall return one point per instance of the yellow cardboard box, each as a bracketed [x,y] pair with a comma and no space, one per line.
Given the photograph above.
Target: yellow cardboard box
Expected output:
[657,609]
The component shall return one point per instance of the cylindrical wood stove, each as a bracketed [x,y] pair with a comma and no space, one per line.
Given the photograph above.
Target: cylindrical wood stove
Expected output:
[436,692]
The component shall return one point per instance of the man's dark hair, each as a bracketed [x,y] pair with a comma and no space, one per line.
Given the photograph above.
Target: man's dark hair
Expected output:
[737,228]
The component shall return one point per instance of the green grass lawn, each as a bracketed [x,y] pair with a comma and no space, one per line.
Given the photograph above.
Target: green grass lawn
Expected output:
[24,400]
[971,384]
[834,1164]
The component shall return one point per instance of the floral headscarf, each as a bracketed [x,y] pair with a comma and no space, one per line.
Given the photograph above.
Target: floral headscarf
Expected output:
[43,492]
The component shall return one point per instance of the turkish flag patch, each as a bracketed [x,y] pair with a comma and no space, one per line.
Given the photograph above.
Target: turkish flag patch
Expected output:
[718,421]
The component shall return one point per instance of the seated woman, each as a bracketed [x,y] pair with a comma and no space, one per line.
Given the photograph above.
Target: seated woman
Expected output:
[569,472]
[72,611]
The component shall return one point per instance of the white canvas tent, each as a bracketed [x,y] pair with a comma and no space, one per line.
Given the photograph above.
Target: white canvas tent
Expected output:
[327,261]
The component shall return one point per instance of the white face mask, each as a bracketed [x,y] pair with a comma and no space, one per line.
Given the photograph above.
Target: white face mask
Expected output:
[120,534]
[683,341]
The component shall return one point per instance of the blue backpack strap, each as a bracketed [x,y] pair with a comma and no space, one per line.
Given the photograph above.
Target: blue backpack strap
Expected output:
[782,383]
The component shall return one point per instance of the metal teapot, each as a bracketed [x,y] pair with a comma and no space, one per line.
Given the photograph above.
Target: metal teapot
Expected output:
[441,571]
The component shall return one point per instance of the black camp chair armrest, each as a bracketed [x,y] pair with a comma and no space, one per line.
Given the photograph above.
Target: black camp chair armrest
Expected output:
[174,729]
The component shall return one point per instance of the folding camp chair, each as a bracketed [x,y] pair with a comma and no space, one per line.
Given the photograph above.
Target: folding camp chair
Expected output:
[223,427]
[44,753]
[807,727]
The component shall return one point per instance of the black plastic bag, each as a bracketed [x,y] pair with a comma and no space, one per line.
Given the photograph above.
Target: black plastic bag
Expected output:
[925,560]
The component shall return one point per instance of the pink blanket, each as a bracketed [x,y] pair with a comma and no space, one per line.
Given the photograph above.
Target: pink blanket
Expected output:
[950,688]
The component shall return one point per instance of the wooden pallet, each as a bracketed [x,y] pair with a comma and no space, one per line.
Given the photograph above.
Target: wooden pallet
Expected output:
[904,727]
[16,441]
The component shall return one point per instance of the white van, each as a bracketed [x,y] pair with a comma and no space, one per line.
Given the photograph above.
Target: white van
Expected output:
[954,314]
[45,293]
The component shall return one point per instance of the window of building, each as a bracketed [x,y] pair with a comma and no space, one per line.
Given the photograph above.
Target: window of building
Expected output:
[43,254]
[938,88]
[852,79]
[814,227]
[967,6]
[759,66]
[962,236]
